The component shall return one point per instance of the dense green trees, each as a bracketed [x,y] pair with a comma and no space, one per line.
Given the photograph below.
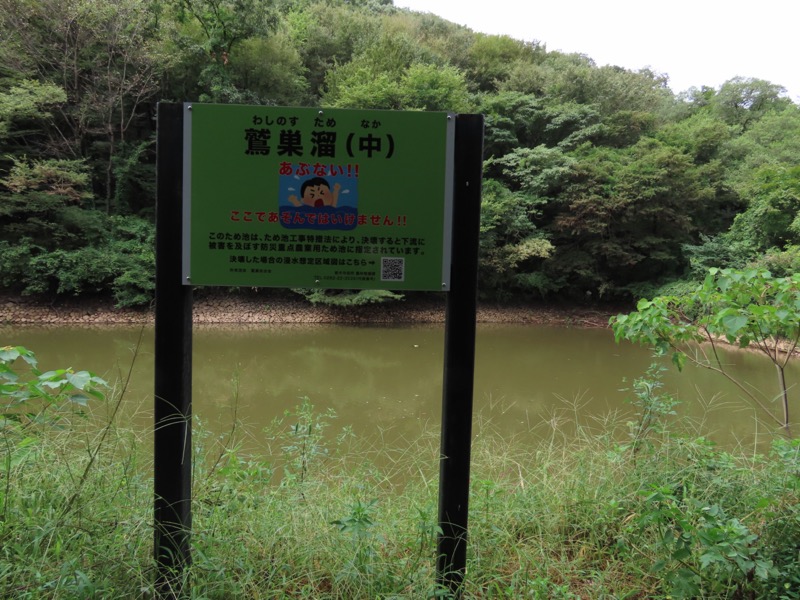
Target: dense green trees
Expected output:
[78,81]
[600,183]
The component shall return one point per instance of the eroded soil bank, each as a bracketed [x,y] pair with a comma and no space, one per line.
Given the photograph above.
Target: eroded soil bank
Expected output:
[217,307]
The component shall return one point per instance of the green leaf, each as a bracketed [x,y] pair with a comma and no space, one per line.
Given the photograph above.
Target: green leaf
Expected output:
[733,324]
[79,379]
[53,379]
[682,554]
[9,354]
[79,400]
[658,566]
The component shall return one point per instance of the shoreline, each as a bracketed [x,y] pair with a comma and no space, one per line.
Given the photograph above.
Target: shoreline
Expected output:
[254,308]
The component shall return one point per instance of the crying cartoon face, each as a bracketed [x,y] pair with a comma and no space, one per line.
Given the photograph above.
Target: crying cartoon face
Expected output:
[318,195]
[316,192]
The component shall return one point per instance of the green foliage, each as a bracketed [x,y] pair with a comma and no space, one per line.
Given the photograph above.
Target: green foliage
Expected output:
[703,551]
[491,58]
[359,526]
[447,42]
[701,135]
[122,263]
[352,87]
[718,251]
[781,263]
[508,240]
[131,249]
[345,298]
[626,187]
[27,102]
[84,270]
[615,90]
[65,179]
[406,85]
[48,228]
[742,100]
[569,125]
[539,171]
[512,119]
[359,521]
[772,218]
[34,398]
[327,35]
[32,402]
[372,78]
[772,141]
[568,77]
[226,23]
[624,217]
[301,436]
[574,518]
[745,307]
[271,69]
[57,473]
[134,174]
[653,407]
[430,87]
[106,59]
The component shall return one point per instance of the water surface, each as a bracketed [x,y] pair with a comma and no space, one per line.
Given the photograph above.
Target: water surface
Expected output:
[529,380]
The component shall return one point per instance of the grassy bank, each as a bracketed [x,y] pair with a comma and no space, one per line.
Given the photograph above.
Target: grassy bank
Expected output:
[624,510]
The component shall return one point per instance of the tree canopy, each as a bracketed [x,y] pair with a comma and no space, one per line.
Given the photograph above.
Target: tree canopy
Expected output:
[600,183]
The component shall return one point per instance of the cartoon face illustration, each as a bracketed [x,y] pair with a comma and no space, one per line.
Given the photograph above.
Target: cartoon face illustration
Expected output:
[317,192]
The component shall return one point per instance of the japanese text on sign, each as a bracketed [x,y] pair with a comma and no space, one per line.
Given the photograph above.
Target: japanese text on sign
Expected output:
[299,197]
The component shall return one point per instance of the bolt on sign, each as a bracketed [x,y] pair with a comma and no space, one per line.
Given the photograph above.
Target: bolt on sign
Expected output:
[317,198]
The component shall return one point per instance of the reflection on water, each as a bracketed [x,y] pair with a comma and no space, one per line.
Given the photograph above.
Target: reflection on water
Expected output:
[389,379]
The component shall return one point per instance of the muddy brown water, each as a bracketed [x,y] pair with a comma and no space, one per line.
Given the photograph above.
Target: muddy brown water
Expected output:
[530,380]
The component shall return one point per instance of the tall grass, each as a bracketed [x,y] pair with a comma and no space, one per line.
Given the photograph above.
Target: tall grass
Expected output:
[310,511]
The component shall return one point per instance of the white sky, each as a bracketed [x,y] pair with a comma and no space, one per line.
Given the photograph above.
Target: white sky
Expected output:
[695,42]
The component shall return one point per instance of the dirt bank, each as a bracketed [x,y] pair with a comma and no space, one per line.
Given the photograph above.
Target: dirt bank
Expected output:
[264,308]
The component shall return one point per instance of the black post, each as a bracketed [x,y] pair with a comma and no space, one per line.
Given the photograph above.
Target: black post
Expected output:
[459,355]
[173,365]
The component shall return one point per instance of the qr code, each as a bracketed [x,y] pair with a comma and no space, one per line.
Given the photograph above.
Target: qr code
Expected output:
[393,269]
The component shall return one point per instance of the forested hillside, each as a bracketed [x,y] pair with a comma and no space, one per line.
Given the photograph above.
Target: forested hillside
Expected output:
[600,183]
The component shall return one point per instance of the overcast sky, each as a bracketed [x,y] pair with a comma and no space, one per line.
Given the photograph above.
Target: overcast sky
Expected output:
[695,42]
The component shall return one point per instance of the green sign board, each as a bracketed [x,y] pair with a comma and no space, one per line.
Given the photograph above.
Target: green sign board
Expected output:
[317,198]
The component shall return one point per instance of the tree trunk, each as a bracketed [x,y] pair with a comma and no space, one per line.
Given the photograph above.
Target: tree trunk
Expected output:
[784,395]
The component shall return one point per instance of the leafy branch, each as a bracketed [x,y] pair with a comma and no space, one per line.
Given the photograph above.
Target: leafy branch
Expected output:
[747,308]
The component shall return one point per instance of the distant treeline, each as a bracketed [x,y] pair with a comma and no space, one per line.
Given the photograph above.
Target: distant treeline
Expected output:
[600,183]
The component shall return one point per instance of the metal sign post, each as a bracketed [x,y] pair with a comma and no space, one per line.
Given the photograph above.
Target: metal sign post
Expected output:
[172,478]
[459,356]
[285,197]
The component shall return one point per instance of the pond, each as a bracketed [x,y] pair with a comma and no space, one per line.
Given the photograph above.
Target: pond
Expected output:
[387,380]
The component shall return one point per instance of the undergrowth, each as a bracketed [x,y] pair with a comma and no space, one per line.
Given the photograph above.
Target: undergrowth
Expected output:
[305,509]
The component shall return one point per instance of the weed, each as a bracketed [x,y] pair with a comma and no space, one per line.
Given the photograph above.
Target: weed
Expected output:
[305,516]
[653,407]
